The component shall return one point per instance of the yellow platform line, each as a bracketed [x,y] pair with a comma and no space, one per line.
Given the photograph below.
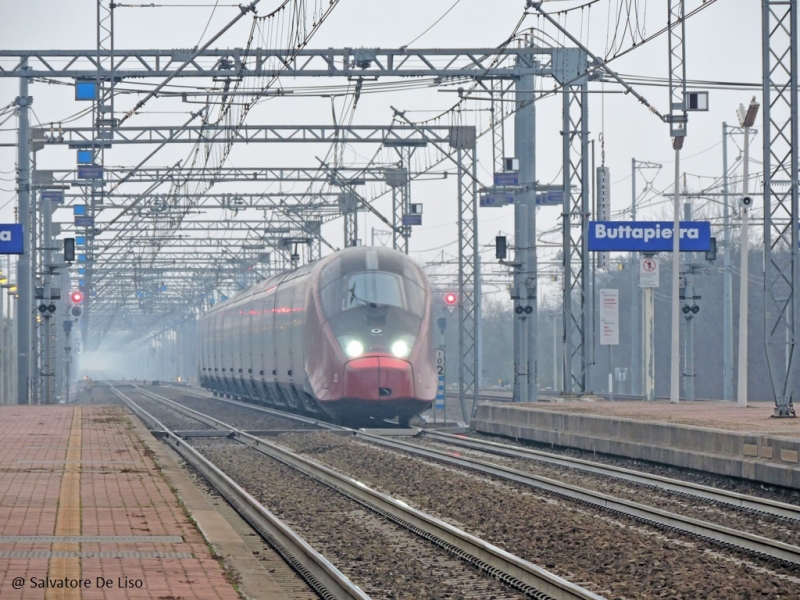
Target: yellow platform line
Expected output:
[68,517]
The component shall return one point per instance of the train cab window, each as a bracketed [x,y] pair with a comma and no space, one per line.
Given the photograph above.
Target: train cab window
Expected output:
[367,288]
[373,287]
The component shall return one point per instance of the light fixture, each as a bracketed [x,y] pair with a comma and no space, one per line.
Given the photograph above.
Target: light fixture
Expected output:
[747,116]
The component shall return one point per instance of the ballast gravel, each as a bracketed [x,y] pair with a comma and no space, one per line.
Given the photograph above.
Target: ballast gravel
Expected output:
[614,556]
[383,559]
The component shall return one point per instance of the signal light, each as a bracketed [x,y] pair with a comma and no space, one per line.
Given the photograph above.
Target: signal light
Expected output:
[450,298]
[76,297]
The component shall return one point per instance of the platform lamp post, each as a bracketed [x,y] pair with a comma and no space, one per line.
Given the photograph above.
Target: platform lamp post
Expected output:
[747,117]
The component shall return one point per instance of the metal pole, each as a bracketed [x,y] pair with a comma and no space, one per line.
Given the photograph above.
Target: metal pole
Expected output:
[556,387]
[48,372]
[527,175]
[727,274]
[525,389]
[688,372]
[24,303]
[675,354]
[636,334]
[522,259]
[461,310]
[741,389]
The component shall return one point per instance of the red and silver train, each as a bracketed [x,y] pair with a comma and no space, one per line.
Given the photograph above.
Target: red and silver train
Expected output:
[345,339]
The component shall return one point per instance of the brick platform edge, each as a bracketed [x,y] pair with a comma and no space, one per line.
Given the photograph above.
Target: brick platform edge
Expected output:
[766,459]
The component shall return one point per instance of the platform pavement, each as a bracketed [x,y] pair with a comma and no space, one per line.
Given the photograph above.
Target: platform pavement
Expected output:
[81,498]
[716,437]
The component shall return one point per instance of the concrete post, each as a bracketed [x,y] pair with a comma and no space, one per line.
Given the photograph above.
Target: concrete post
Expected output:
[649,346]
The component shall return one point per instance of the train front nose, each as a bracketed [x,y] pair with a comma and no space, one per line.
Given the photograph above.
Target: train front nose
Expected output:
[378,378]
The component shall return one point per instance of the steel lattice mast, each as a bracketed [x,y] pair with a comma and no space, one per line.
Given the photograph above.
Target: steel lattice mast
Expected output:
[781,211]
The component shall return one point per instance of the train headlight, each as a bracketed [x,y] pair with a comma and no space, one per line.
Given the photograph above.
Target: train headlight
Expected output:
[351,346]
[402,347]
[354,348]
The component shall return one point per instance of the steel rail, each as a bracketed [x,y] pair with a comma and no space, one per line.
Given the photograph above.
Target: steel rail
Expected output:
[511,569]
[315,569]
[751,503]
[726,536]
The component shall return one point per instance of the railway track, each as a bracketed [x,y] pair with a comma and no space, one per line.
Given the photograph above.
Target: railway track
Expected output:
[642,478]
[315,569]
[788,554]
[518,574]
[692,490]
[616,557]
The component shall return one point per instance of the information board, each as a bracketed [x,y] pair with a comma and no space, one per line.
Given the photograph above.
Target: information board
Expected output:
[609,317]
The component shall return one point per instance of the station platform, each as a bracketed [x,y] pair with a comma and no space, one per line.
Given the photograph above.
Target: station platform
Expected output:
[715,437]
[86,513]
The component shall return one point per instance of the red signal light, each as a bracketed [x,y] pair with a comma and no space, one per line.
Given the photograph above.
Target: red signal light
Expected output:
[76,297]
[450,298]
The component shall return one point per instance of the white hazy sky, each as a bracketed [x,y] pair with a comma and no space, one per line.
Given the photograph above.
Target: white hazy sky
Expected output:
[723,41]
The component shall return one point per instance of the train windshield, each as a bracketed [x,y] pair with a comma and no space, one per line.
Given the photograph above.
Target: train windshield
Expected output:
[372,289]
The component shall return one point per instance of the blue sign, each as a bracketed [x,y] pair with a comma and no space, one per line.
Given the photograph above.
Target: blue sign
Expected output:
[85,90]
[79,210]
[550,198]
[90,171]
[503,199]
[11,240]
[506,178]
[55,196]
[647,236]
[80,240]
[412,219]
[84,221]
[84,157]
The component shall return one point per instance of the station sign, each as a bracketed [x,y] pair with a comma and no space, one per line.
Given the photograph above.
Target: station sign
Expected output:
[412,220]
[11,240]
[647,236]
